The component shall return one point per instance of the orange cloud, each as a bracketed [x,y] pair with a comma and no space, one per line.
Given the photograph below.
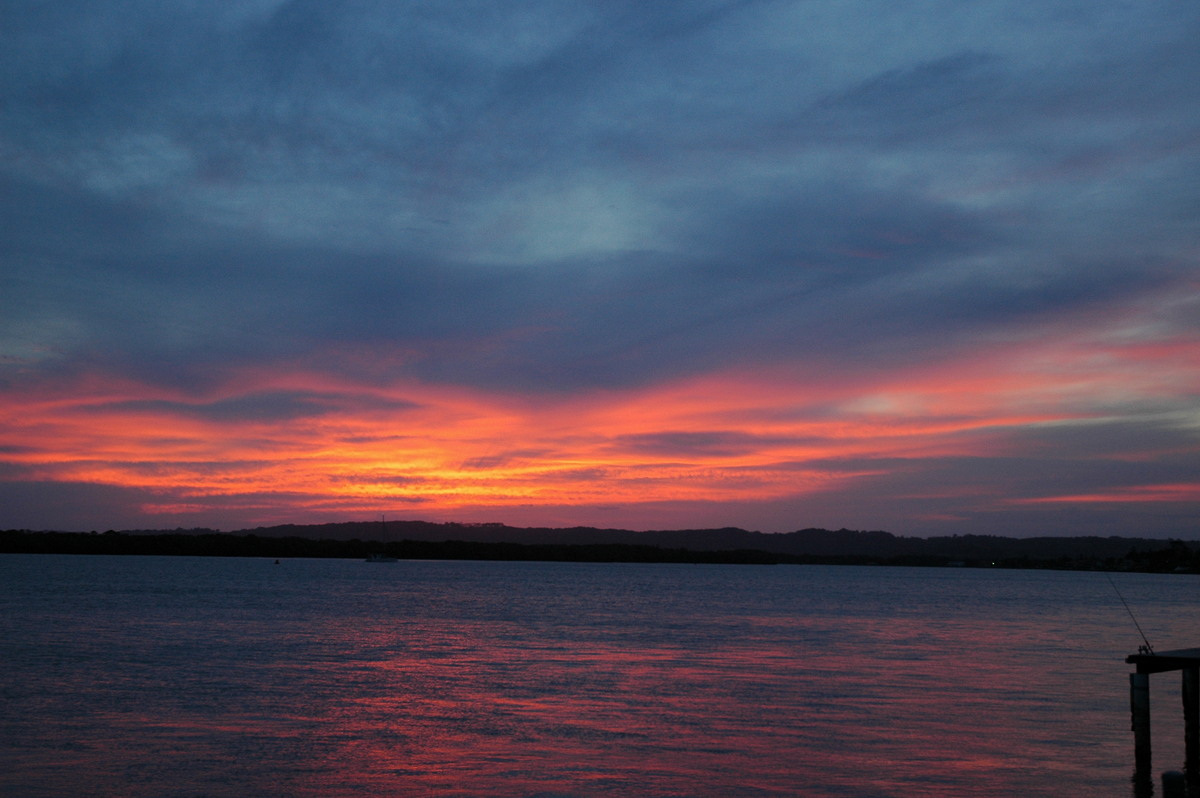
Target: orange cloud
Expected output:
[306,440]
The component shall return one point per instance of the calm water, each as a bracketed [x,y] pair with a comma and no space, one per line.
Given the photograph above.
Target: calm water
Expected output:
[164,676]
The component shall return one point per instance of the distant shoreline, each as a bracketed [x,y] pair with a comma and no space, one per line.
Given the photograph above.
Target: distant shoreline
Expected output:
[1143,556]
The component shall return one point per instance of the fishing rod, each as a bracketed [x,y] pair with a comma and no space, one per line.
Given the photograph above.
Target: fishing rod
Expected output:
[1146,649]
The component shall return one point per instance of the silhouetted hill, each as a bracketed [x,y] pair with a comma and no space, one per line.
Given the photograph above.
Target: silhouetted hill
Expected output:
[425,540]
[804,542]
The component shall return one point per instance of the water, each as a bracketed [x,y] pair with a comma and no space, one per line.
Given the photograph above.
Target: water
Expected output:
[162,676]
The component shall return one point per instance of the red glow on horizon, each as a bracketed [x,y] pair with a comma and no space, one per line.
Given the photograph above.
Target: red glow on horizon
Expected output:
[1183,492]
[295,441]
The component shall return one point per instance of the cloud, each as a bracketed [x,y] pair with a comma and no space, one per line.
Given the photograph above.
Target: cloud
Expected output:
[274,406]
[718,443]
[493,209]
[70,507]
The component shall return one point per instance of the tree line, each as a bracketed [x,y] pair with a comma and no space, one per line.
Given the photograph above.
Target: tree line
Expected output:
[1173,557]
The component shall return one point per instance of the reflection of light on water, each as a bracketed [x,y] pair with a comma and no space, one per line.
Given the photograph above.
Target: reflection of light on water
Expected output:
[156,675]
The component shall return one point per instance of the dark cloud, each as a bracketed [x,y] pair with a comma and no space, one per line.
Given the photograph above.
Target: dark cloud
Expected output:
[500,459]
[694,443]
[377,479]
[276,406]
[930,98]
[70,506]
[1049,466]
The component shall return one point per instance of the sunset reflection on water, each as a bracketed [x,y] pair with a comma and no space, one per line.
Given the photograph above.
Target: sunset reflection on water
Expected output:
[336,678]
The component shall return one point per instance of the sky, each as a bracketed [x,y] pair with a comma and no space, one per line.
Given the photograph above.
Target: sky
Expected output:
[931,267]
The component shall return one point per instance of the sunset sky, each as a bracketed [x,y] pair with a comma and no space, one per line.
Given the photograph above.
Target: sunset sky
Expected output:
[928,267]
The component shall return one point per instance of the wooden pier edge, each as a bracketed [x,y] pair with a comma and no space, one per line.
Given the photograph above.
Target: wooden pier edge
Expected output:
[1187,661]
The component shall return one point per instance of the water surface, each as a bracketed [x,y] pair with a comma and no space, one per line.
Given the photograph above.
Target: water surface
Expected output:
[214,676]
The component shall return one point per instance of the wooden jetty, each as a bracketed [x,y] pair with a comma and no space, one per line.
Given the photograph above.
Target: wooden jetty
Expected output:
[1147,661]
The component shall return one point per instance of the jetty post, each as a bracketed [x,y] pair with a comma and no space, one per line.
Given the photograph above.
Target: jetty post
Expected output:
[1187,661]
[1139,707]
[1191,726]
